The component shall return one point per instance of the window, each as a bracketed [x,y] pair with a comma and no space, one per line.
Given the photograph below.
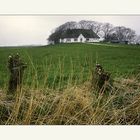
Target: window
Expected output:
[87,39]
[68,39]
[61,40]
[75,39]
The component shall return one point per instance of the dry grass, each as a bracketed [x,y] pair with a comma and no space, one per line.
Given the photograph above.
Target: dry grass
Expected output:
[74,105]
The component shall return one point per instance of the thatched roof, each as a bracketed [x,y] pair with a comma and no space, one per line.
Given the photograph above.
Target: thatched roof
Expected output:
[73,33]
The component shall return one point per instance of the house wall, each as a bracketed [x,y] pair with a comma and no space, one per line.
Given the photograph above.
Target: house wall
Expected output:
[81,38]
[72,40]
[93,40]
[68,40]
[50,42]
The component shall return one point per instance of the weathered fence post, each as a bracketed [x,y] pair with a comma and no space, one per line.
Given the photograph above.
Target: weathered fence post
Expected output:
[101,80]
[16,67]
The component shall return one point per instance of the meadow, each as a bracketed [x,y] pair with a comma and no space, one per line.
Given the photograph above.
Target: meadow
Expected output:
[59,63]
[57,85]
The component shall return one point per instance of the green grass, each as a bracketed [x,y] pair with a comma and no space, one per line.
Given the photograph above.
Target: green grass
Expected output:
[57,87]
[55,64]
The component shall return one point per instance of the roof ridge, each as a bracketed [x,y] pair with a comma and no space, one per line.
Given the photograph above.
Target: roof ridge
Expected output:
[73,33]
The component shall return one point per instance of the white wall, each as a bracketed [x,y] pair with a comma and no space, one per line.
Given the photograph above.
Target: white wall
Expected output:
[50,42]
[72,40]
[93,40]
[81,38]
[66,41]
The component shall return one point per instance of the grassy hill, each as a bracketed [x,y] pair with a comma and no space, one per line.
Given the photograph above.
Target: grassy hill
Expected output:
[57,86]
[60,62]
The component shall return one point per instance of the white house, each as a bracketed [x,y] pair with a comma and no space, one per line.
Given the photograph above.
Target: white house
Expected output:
[74,36]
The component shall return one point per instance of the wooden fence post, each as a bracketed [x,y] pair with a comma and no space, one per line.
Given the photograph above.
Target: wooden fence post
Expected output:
[16,67]
[101,80]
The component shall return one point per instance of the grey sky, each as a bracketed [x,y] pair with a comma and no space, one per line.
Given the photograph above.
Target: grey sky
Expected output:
[24,30]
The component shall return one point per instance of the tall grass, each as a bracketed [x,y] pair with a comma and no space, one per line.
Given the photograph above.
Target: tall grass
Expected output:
[68,99]
[120,60]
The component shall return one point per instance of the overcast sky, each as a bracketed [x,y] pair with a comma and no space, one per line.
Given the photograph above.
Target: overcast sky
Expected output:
[26,30]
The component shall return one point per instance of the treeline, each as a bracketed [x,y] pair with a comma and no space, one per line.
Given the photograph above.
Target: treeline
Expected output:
[107,31]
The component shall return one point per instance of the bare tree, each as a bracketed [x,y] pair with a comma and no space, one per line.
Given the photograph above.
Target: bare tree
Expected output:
[67,25]
[86,24]
[97,27]
[124,34]
[107,29]
[136,40]
[93,25]
[129,34]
